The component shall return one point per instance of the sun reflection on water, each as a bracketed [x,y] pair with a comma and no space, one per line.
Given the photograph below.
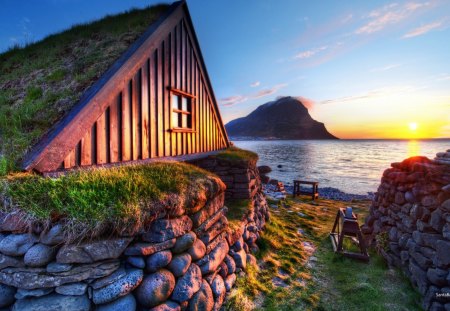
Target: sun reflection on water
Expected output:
[413,148]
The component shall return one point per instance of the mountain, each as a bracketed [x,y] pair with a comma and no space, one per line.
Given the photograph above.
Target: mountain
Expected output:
[284,118]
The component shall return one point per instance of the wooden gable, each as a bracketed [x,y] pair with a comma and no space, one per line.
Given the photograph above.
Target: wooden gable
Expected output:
[128,114]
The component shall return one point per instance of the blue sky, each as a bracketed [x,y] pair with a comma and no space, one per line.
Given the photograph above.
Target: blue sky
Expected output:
[365,68]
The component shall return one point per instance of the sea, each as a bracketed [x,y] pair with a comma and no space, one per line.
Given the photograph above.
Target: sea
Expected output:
[352,166]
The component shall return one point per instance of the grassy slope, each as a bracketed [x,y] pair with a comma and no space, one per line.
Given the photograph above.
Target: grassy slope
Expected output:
[235,154]
[325,281]
[41,82]
[115,200]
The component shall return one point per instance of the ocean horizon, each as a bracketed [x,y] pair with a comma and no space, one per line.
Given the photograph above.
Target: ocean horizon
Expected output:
[353,166]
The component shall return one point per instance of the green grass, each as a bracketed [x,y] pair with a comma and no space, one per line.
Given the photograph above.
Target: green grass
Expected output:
[107,200]
[41,82]
[237,208]
[326,281]
[235,154]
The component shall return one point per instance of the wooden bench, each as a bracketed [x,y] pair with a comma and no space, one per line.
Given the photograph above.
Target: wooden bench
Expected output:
[314,193]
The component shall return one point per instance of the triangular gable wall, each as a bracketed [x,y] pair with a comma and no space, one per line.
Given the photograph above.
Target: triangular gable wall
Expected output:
[126,115]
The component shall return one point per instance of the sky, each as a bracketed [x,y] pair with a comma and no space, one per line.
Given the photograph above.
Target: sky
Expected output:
[367,69]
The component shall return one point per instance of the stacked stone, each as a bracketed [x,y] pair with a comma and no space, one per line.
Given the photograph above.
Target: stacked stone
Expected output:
[443,157]
[412,210]
[241,177]
[187,260]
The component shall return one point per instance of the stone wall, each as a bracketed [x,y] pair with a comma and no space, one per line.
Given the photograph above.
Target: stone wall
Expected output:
[410,218]
[240,176]
[187,261]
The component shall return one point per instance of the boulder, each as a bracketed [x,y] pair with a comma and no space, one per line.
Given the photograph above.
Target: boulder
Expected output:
[109,279]
[229,282]
[32,278]
[179,264]
[209,210]
[29,293]
[92,251]
[167,306]
[54,236]
[264,169]
[39,255]
[198,250]
[203,300]
[240,258]
[216,256]
[73,289]
[184,242]
[119,288]
[251,260]
[146,249]
[17,244]
[155,288]
[125,303]
[437,220]
[157,261]
[437,276]
[7,294]
[231,264]
[218,287]
[53,302]
[166,229]
[188,284]
[442,258]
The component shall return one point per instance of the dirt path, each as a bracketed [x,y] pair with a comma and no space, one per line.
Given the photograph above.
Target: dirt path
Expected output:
[297,269]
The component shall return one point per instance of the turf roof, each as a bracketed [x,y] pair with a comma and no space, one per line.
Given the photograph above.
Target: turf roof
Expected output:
[41,82]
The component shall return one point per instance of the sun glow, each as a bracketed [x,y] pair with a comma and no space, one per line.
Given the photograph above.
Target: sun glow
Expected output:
[413,126]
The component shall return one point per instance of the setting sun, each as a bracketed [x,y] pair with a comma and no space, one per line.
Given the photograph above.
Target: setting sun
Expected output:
[413,126]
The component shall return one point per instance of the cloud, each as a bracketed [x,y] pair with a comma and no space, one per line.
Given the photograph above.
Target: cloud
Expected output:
[385,68]
[237,99]
[309,53]
[308,103]
[255,84]
[372,94]
[388,15]
[423,29]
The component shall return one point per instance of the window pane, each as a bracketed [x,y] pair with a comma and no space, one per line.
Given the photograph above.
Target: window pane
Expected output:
[184,124]
[174,102]
[184,105]
[175,119]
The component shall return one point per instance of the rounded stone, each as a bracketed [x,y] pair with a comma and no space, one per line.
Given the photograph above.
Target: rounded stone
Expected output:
[203,299]
[32,293]
[53,302]
[7,294]
[39,255]
[157,261]
[167,306]
[136,261]
[229,281]
[188,284]
[218,286]
[184,242]
[198,250]
[251,260]
[179,264]
[17,244]
[119,288]
[155,288]
[125,303]
[231,264]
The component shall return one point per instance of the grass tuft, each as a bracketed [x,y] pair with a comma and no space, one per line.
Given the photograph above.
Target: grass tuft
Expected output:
[120,200]
[235,154]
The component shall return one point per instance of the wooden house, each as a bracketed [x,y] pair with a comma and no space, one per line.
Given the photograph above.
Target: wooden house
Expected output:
[156,101]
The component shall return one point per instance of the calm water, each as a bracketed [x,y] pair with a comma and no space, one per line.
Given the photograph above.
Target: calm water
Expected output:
[353,166]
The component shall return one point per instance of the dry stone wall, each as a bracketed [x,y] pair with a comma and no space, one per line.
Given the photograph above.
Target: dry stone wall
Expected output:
[410,218]
[240,176]
[184,262]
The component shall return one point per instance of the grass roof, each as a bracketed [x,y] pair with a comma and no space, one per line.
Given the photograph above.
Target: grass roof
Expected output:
[41,82]
[112,201]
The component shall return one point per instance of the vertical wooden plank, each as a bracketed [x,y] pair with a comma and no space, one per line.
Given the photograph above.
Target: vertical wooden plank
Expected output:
[160,106]
[86,149]
[166,93]
[145,110]
[114,131]
[69,161]
[153,99]
[173,75]
[202,119]
[101,139]
[179,77]
[136,116]
[126,124]
[197,120]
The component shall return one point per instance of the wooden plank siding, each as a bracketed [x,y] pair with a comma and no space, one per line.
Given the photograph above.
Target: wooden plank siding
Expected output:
[134,118]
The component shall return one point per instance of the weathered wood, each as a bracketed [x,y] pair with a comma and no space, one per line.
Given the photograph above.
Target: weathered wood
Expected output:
[114,132]
[173,68]
[86,158]
[101,140]
[145,129]
[166,83]
[136,116]
[126,124]
[153,109]
[160,104]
